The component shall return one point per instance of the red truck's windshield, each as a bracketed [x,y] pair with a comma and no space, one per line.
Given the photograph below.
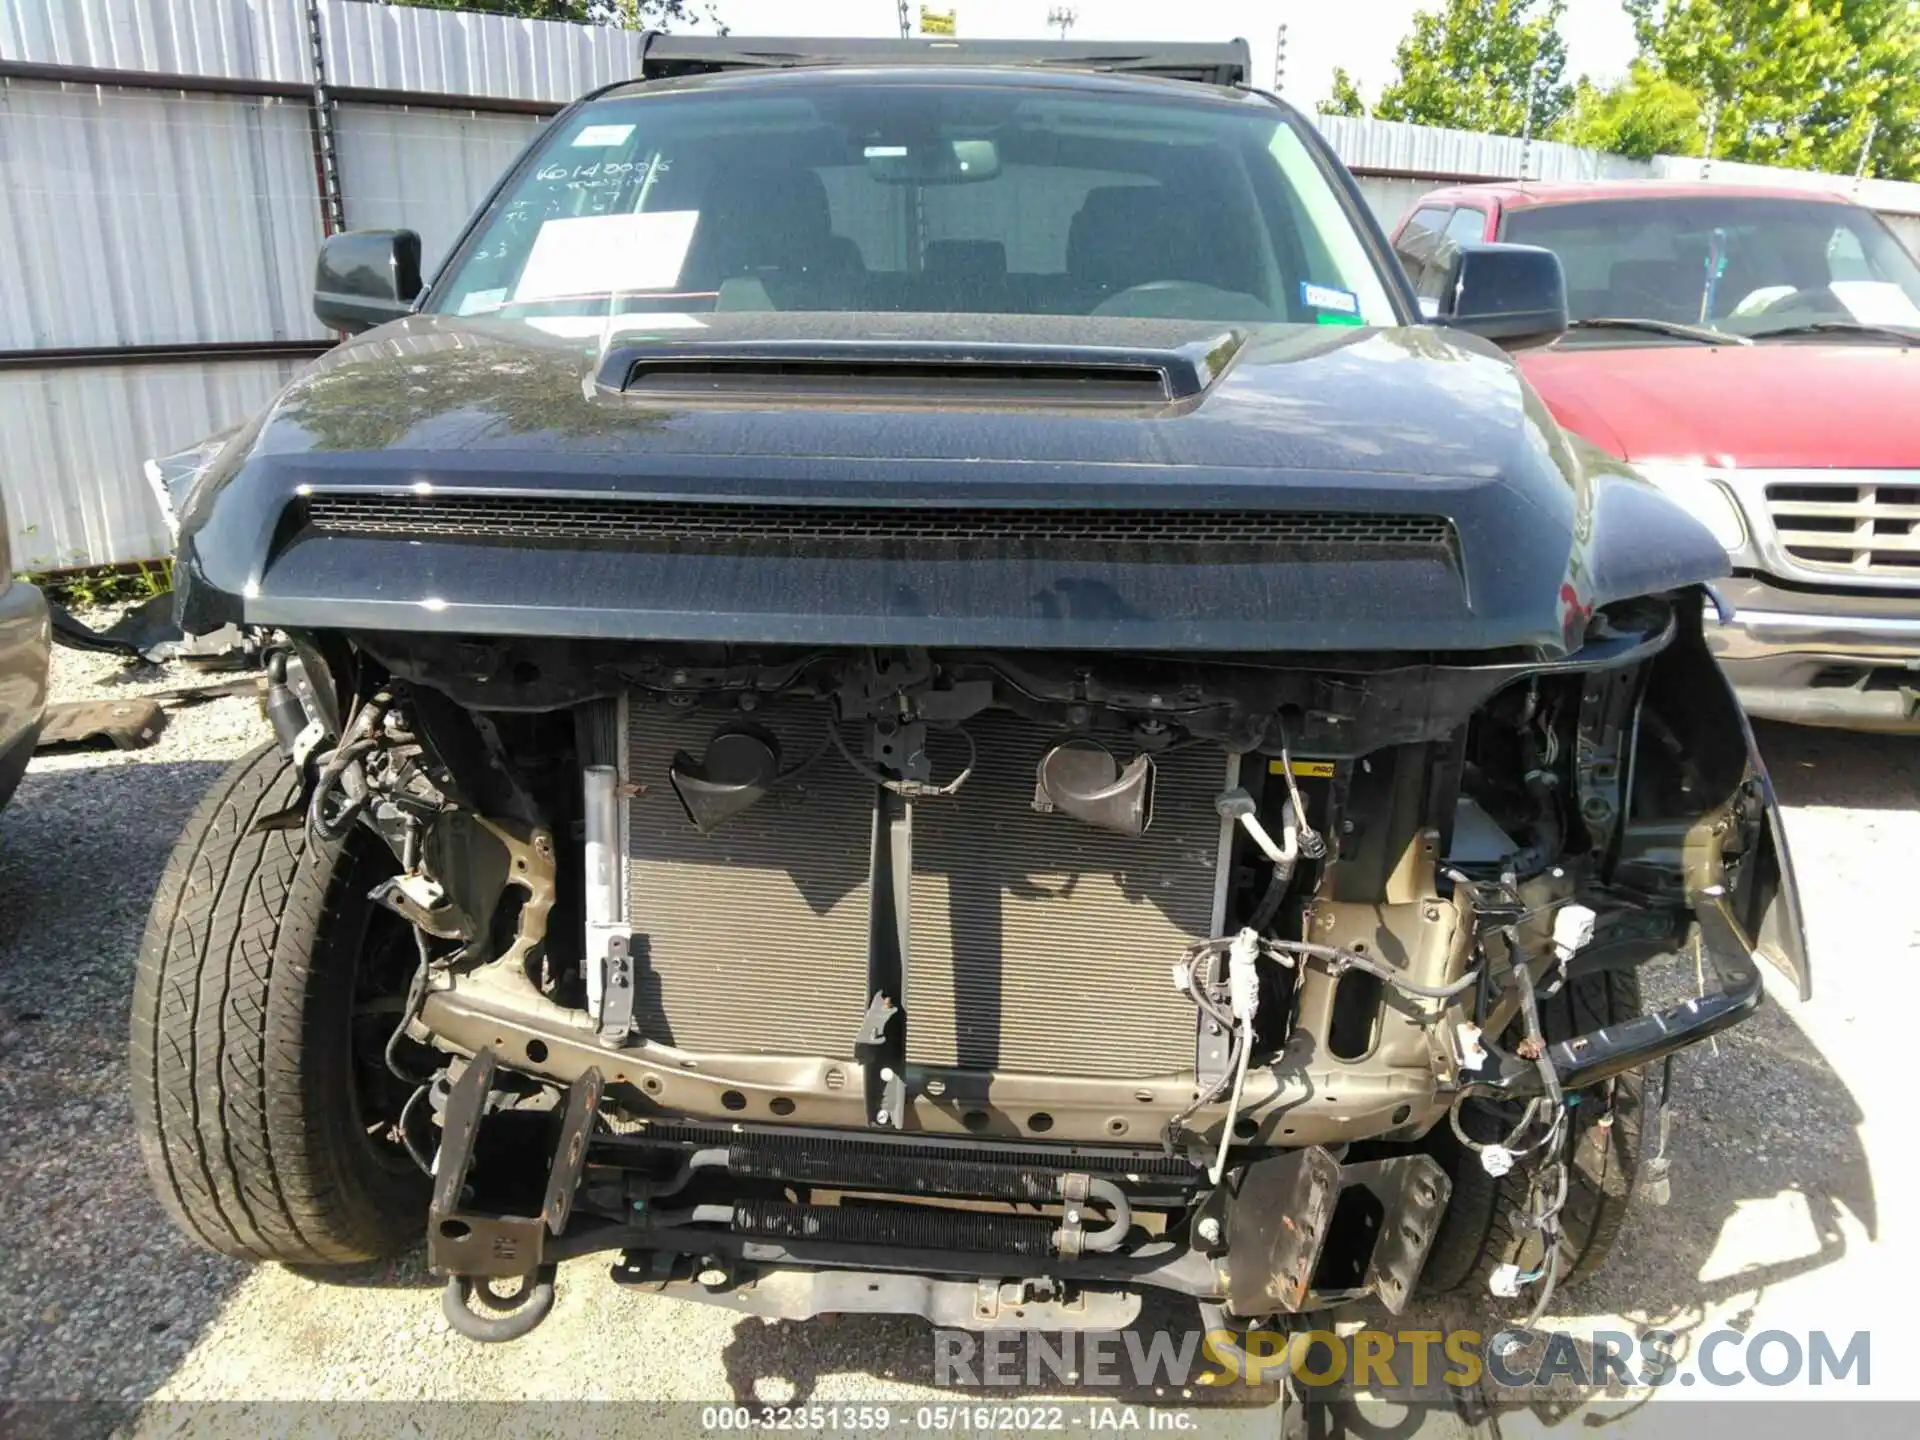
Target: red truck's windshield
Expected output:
[1739,265]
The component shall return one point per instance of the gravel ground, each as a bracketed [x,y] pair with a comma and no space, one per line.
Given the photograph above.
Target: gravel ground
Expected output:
[1791,1208]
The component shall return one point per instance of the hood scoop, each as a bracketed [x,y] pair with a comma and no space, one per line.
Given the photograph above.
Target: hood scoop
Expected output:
[917,372]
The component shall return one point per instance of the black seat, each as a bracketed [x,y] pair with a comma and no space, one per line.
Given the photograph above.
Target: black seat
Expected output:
[771,222]
[967,275]
[1127,235]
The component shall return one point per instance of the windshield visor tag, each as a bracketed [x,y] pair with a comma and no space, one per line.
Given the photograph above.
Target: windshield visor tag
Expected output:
[599,137]
[1327,298]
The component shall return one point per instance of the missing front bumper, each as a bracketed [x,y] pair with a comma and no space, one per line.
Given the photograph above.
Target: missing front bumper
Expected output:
[1305,1232]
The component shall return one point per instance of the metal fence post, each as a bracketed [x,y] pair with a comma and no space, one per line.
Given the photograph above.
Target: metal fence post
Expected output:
[326,157]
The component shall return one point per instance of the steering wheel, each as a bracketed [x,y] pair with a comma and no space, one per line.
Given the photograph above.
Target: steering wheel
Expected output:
[1183,300]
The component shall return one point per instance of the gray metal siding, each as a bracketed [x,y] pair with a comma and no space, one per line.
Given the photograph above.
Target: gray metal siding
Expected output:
[424,170]
[74,442]
[138,217]
[460,53]
[233,39]
[1429,150]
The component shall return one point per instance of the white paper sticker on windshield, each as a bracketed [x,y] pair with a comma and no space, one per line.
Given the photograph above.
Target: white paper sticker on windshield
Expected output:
[600,136]
[1876,302]
[590,327]
[481,301]
[599,255]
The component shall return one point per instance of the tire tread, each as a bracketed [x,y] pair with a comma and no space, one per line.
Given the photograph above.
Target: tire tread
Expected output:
[237,1100]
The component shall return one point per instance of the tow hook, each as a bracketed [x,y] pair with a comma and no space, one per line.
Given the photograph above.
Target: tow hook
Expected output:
[476,1244]
[523,1309]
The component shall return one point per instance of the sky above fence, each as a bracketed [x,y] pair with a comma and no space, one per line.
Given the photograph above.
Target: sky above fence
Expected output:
[1358,34]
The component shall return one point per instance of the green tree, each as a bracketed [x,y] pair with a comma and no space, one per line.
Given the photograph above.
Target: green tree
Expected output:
[629,14]
[1796,82]
[1346,98]
[1468,65]
[1649,113]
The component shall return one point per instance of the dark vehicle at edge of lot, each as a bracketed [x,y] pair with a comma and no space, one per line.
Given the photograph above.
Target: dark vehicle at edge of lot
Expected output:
[26,642]
[1755,352]
[913,686]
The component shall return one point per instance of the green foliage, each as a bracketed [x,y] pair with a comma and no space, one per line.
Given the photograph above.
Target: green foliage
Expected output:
[1467,66]
[106,584]
[1797,82]
[629,14]
[1646,114]
[1346,96]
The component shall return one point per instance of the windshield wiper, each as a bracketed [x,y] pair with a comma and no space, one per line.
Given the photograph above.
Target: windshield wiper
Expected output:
[1660,327]
[1906,334]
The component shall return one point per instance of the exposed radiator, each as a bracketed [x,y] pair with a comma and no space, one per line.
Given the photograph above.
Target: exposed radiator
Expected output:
[752,939]
[1037,943]
[1042,944]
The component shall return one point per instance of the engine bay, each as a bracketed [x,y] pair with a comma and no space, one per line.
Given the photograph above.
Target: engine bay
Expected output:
[1064,969]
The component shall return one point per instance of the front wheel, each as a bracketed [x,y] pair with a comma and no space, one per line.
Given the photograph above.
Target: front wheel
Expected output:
[1601,1149]
[266,989]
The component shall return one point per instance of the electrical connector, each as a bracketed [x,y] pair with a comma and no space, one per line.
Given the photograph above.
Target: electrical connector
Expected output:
[1572,929]
[1505,1281]
[1473,1055]
[1243,978]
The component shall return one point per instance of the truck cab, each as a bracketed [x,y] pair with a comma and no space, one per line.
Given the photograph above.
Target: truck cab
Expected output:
[1752,352]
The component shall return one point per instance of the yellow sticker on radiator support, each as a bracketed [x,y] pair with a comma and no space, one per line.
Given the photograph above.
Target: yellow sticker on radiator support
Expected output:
[1303,769]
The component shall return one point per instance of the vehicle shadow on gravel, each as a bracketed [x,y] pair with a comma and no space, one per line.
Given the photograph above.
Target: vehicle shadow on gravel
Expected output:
[1811,766]
[103,1295]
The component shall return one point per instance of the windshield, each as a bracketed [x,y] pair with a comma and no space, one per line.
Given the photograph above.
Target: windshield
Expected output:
[1739,265]
[932,196]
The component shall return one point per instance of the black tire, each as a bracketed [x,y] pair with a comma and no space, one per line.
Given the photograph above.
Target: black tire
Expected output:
[1478,1233]
[261,1130]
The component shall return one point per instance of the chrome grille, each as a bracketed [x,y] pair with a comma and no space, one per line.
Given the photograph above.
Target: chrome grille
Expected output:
[1847,522]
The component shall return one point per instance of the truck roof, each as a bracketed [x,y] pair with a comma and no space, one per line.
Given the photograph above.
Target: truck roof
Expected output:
[1526,194]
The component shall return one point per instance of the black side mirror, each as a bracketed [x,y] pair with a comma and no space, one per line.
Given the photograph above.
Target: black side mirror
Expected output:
[1513,295]
[366,278]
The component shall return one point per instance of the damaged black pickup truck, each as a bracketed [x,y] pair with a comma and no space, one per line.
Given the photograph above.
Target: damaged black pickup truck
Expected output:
[912,685]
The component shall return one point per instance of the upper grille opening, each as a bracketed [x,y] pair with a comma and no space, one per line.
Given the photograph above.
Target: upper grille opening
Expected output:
[697,527]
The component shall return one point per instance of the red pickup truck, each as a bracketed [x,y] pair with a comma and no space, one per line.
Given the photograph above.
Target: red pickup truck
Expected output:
[1755,352]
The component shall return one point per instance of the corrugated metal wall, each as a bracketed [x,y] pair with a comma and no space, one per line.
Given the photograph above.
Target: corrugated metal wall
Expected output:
[424,170]
[135,216]
[1428,150]
[73,441]
[234,39]
[436,52]
[143,217]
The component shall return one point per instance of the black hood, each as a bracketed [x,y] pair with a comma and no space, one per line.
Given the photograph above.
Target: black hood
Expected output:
[482,476]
